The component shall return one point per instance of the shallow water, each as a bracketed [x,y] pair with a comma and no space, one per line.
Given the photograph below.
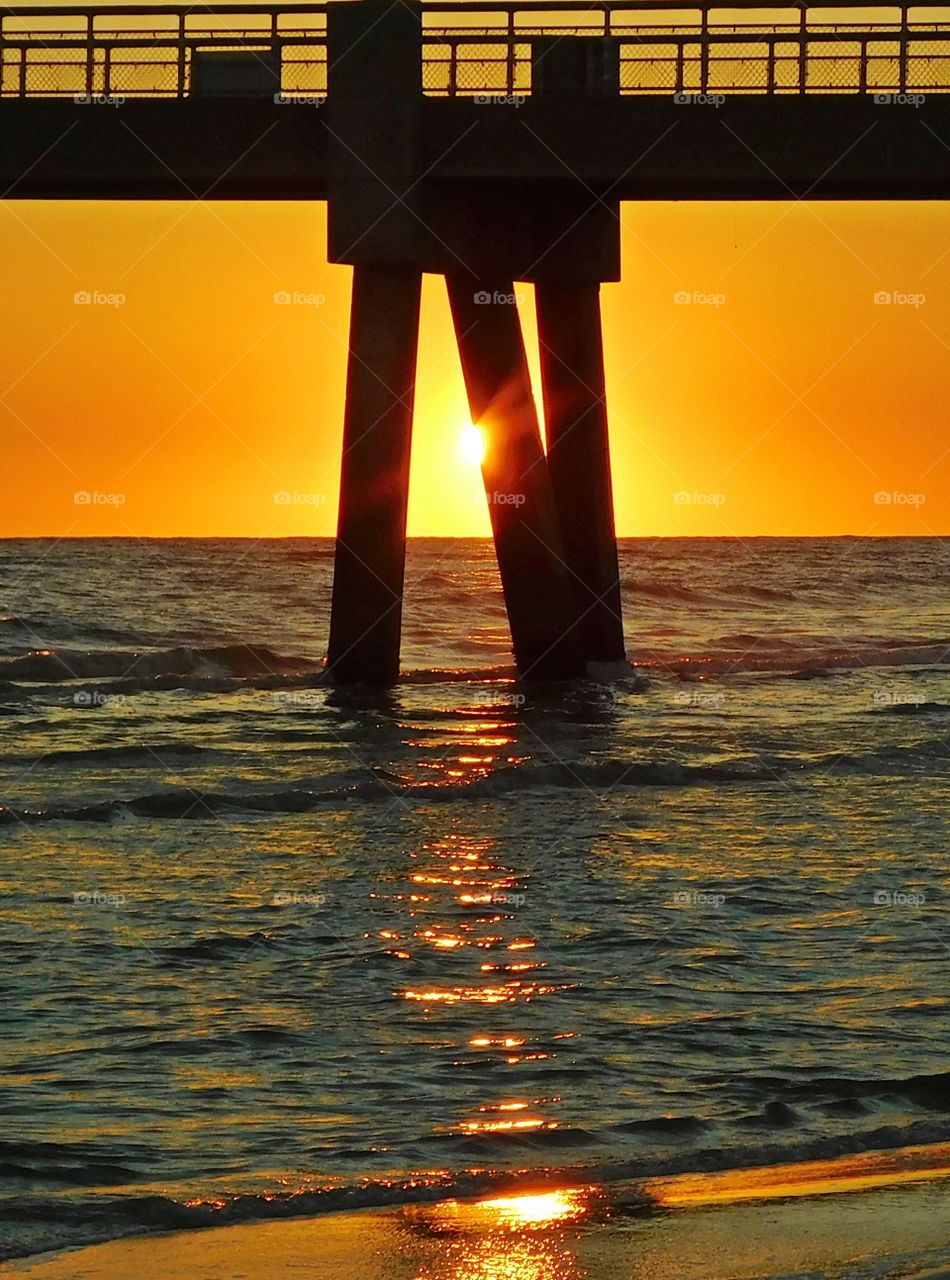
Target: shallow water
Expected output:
[265,937]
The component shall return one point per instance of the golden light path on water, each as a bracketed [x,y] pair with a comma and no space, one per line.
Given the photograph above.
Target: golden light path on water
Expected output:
[465,946]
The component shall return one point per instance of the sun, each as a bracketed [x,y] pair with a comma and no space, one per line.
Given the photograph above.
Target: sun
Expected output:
[472,444]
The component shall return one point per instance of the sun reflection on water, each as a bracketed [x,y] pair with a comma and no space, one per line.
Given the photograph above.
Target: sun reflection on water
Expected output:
[517,1237]
[537,1210]
[466,945]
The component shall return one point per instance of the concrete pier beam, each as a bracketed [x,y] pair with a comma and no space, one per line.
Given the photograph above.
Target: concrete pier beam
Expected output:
[539,593]
[369,568]
[575,416]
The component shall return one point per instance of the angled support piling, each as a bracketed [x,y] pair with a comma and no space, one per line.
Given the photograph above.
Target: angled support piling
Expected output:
[539,595]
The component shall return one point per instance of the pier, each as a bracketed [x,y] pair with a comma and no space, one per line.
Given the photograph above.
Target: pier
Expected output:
[490,144]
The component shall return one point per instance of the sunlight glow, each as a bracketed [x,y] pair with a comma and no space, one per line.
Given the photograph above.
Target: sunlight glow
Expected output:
[472,444]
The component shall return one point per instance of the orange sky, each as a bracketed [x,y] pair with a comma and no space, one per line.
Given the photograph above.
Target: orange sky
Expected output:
[783,410]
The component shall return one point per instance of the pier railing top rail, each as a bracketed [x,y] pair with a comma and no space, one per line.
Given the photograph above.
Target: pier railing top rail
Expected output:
[473,48]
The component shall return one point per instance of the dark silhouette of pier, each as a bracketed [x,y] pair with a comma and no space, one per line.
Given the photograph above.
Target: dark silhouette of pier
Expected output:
[489,143]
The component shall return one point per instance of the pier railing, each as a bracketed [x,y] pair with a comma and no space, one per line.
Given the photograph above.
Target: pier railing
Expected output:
[486,49]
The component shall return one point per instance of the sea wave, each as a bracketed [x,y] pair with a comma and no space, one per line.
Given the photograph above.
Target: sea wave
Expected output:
[239,660]
[378,784]
[40,1221]
[186,802]
[44,628]
[763,653]
[223,668]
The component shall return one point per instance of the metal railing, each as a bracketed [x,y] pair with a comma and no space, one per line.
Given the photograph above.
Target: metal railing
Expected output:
[149,51]
[489,49]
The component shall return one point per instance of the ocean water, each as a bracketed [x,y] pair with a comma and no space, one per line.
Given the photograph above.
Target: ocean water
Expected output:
[271,947]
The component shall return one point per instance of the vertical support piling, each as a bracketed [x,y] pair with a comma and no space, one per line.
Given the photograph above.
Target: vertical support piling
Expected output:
[575,417]
[369,569]
[539,593]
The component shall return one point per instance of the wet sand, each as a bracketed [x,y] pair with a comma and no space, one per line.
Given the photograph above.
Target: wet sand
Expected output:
[869,1216]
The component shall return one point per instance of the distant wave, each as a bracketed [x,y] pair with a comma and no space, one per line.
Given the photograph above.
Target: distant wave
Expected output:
[224,668]
[60,629]
[183,802]
[722,595]
[753,652]
[237,660]
[664,590]
[132,754]
[912,709]
[69,1163]
[931,1091]
[378,784]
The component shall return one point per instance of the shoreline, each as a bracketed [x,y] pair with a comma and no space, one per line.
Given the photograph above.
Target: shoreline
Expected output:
[878,1214]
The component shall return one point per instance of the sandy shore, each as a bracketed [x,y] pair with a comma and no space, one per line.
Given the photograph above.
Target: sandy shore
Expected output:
[852,1220]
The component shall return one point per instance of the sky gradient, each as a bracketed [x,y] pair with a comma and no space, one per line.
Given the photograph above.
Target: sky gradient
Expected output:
[782,398]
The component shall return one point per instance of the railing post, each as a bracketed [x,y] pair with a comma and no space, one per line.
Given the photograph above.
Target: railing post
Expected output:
[511,54]
[770,66]
[681,66]
[107,70]
[182,53]
[803,52]
[902,62]
[863,68]
[279,49]
[704,52]
[453,68]
[90,54]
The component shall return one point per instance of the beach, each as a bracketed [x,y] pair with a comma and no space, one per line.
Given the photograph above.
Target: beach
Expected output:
[897,1229]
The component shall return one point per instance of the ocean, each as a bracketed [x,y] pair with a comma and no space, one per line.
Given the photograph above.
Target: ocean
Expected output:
[271,947]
